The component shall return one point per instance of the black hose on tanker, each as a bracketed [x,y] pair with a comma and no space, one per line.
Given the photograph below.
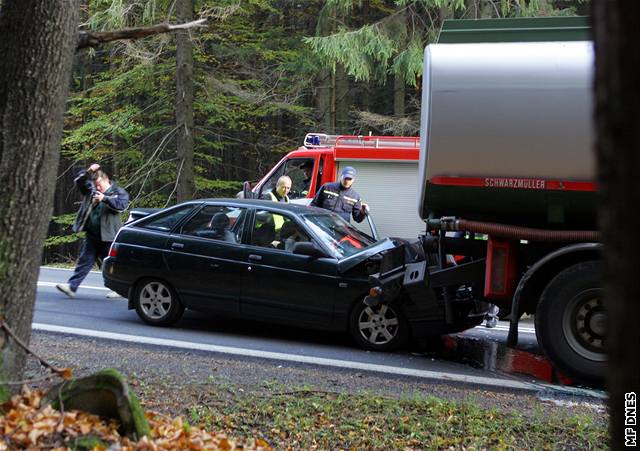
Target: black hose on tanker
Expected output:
[515,232]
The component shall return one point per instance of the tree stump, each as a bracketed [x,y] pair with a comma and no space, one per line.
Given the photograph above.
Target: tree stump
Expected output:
[105,394]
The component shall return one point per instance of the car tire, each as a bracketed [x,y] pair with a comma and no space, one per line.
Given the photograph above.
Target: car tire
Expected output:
[381,328]
[156,303]
[571,322]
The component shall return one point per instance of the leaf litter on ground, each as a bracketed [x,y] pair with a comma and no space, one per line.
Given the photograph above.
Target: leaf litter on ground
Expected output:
[27,424]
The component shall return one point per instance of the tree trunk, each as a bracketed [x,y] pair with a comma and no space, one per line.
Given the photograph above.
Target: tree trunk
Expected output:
[184,104]
[37,43]
[617,45]
[323,96]
[398,96]
[341,101]
[478,9]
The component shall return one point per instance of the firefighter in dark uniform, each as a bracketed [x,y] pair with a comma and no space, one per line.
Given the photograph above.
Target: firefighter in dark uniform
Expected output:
[307,168]
[341,198]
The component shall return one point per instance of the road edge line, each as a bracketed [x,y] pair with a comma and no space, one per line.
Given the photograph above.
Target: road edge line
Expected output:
[269,355]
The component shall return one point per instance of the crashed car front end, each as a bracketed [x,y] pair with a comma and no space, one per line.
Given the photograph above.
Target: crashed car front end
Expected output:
[441,304]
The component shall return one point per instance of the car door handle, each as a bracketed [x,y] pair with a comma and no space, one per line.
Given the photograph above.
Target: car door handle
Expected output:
[255,258]
[214,265]
[177,246]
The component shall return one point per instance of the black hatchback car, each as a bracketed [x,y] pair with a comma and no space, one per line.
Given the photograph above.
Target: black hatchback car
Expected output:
[261,260]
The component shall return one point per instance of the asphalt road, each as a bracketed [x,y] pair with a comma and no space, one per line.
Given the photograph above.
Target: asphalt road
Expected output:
[91,314]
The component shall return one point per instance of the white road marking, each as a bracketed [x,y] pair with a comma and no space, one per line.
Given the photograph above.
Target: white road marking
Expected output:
[89,287]
[521,329]
[444,376]
[527,330]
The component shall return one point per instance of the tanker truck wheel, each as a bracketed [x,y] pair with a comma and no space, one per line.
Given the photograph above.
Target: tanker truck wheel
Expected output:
[571,322]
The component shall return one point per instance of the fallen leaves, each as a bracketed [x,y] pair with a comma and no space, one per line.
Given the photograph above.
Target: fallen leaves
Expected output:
[28,424]
[66,373]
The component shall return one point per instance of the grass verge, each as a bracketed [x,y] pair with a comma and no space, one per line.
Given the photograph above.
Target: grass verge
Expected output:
[308,419]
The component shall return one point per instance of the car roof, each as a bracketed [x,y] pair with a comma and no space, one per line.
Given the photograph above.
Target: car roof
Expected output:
[260,203]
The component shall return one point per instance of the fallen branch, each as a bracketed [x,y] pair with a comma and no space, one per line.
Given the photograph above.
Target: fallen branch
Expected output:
[97,38]
[29,381]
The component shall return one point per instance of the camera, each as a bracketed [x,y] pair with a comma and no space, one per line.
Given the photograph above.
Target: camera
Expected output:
[85,181]
[90,187]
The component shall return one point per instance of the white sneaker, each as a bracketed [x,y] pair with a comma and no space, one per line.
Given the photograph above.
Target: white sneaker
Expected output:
[66,289]
[112,295]
[491,322]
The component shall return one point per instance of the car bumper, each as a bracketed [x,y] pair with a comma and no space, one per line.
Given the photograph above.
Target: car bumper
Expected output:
[122,287]
[429,312]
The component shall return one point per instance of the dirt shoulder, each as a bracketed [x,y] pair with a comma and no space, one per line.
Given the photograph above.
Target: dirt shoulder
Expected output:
[245,396]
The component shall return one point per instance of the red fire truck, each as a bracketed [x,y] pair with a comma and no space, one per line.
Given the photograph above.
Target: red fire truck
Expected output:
[387,176]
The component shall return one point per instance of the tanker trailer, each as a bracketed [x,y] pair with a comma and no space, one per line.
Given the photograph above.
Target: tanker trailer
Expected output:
[506,162]
[506,176]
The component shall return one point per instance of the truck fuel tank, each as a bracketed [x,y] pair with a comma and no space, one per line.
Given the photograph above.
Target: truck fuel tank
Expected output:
[507,133]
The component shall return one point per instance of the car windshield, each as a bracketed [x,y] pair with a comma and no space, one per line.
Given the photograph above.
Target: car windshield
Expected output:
[341,237]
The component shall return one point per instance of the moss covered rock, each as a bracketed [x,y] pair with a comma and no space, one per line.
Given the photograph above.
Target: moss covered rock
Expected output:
[106,394]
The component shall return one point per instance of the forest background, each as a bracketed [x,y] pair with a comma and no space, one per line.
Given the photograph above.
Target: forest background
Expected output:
[246,90]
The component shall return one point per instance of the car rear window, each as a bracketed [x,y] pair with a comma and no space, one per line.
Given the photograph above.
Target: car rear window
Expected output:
[166,220]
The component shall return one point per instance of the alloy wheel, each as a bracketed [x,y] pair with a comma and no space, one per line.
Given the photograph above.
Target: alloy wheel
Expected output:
[378,325]
[155,300]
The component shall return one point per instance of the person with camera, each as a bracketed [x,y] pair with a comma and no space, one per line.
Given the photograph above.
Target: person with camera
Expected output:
[99,217]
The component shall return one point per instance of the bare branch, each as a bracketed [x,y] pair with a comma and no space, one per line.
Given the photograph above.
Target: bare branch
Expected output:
[96,38]
[404,126]
[64,373]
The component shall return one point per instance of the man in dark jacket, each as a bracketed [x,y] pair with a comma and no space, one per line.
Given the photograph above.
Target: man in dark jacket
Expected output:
[340,197]
[307,168]
[99,217]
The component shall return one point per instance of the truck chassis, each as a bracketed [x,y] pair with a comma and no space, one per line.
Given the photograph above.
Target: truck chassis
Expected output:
[556,280]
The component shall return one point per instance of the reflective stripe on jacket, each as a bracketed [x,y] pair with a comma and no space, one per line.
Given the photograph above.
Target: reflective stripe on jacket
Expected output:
[274,196]
[346,202]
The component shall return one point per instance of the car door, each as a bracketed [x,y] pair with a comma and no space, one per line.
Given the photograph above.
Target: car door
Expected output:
[207,259]
[282,286]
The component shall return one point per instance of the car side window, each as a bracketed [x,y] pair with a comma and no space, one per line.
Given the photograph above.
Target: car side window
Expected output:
[290,234]
[276,231]
[167,220]
[217,222]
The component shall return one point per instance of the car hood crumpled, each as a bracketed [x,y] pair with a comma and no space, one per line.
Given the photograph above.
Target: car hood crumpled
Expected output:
[349,262]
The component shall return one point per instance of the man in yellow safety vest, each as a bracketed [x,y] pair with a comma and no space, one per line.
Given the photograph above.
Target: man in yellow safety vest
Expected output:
[281,191]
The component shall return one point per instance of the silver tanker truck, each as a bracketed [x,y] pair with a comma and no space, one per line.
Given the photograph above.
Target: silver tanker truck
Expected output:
[507,187]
